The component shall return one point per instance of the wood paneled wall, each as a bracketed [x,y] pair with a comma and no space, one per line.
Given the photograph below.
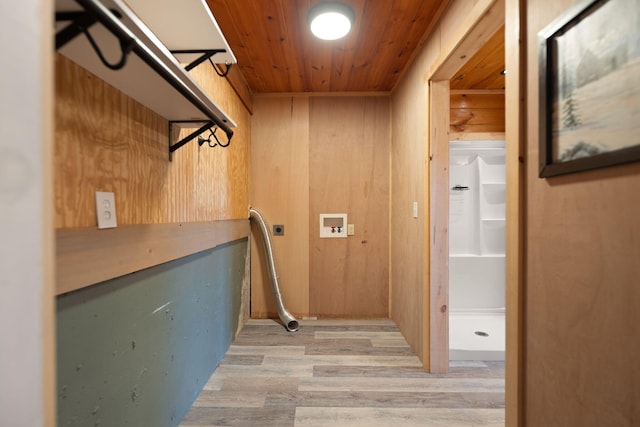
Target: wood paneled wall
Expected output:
[314,155]
[105,141]
[581,280]
[477,111]
[409,179]
[280,191]
[410,173]
[349,173]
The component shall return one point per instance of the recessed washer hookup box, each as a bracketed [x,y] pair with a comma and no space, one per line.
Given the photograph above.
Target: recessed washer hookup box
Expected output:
[333,226]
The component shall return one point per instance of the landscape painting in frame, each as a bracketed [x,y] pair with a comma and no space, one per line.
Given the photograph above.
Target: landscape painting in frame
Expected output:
[590,87]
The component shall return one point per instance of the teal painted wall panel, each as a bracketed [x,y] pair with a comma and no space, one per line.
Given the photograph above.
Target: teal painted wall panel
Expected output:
[137,350]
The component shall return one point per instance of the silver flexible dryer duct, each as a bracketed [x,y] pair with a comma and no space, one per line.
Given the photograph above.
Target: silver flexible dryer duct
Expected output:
[289,321]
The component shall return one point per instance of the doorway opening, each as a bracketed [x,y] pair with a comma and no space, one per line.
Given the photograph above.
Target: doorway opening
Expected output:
[467,108]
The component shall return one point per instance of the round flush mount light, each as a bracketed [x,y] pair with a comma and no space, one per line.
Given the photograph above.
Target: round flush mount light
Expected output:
[330,21]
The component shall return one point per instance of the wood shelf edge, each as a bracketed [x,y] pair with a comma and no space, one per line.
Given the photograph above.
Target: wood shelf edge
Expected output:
[86,256]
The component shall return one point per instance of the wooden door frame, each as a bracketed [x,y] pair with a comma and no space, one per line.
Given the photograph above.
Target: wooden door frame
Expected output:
[512,14]
[515,116]
[484,20]
[439,120]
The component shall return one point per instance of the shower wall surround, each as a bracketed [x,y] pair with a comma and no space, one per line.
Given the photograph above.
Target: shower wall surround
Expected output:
[477,225]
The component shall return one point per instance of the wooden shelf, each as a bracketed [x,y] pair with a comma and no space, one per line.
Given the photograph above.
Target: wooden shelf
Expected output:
[85,256]
[175,23]
[183,25]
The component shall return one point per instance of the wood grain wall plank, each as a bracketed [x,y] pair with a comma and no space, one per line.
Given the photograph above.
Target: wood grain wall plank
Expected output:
[477,120]
[352,177]
[514,137]
[106,141]
[98,129]
[581,294]
[477,112]
[280,191]
[223,173]
[439,228]
[349,173]
[409,182]
[480,100]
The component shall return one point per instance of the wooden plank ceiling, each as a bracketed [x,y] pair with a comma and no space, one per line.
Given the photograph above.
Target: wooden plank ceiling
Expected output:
[277,53]
[484,71]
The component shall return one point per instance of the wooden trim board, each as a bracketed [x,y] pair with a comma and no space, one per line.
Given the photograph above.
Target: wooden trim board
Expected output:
[515,129]
[485,18]
[85,256]
[438,226]
[240,87]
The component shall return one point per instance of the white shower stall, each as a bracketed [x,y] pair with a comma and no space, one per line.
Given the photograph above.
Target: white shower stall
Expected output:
[477,250]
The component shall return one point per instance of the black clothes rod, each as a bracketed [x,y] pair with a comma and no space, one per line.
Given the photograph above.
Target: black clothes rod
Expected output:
[127,38]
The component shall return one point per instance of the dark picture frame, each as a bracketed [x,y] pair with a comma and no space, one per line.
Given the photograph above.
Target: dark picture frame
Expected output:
[589,63]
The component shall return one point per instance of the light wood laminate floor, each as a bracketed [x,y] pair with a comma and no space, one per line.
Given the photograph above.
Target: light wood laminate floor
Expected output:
[342,373]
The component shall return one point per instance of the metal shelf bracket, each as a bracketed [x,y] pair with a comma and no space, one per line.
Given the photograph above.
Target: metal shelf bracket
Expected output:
[209,125]
[95,12]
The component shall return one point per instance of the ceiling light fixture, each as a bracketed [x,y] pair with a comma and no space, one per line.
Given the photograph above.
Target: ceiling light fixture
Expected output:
[330,21]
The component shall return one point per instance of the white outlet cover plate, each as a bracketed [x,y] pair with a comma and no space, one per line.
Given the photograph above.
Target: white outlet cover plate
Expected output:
[106,209]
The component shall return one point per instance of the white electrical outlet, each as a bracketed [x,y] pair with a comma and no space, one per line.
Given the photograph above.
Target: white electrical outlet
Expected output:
[106,209]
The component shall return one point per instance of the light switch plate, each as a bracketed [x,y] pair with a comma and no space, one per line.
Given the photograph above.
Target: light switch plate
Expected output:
[415,209]
[351,229]
[106,209]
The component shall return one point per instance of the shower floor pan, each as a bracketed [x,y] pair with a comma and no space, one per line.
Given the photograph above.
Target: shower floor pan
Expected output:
[477,334]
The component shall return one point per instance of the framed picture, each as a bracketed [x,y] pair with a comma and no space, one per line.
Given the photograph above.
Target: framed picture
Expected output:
[589,62]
